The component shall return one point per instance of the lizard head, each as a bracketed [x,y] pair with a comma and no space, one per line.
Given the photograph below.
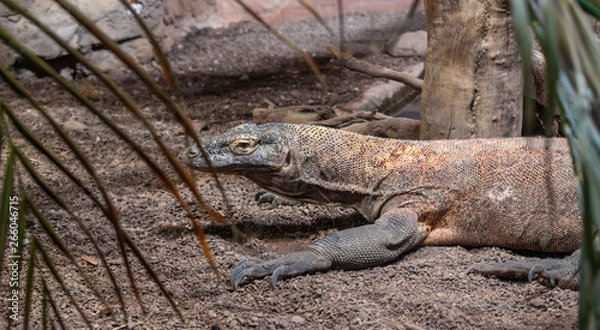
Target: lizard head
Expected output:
[297,161]
[249,150]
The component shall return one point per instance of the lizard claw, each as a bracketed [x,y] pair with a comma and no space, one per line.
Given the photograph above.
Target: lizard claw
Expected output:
[250,267]
[236,277]
[238,273]
[544,273]
[276,273]
[532,272]
[470,268]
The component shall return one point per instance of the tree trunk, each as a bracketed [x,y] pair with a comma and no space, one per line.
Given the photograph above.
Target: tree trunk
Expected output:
[473,84]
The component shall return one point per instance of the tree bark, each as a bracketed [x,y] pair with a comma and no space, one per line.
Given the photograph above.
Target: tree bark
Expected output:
[473,86]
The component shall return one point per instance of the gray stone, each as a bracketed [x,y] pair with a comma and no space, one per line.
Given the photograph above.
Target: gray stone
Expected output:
[108,63]
[298,320]
[140,49]
[109,15]
[537,302]
[169,20]
[375,95]
[75,126]
[7,56]
[409,44]
[67,73]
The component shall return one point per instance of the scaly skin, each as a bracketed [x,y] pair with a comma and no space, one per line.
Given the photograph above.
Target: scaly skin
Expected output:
[516,193]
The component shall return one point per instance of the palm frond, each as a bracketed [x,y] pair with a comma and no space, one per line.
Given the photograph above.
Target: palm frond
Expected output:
[8,201]
[573,77]
[40,262]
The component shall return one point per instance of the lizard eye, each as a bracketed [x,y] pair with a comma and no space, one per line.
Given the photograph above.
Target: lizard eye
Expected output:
[193,151]
[242,146]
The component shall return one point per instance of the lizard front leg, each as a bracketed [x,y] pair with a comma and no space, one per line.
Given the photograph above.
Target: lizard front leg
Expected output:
[395,232]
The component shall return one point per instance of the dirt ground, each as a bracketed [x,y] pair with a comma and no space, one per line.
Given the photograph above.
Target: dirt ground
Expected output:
[427,288]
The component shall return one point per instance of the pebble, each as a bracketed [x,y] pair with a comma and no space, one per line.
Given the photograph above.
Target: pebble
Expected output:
[410,44]
[296,319]
[75,126]
[537,302]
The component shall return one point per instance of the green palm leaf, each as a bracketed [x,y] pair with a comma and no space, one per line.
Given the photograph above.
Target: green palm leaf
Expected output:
[41,253]
[573,77]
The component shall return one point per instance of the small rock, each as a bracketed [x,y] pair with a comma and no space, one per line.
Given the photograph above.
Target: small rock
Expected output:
[7,55]
[67,73]
[74,126]
[296,319]
[409,44]
[363,317]
[319,291]
[108,63]
[140,48]
[25,74]
[537,302]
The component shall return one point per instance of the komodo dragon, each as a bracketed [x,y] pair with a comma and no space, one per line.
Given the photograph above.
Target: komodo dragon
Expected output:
[516,193]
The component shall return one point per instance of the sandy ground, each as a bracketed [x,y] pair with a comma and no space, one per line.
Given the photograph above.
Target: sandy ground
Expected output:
[427,288]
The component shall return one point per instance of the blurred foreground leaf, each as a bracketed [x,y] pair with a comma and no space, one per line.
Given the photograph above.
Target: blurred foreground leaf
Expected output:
[14,133]
[573,76]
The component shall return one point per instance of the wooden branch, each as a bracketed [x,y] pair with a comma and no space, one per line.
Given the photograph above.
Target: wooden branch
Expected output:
[394,128]
[299,114]
[538,71]
[346,59]
[364,122]
[355,117]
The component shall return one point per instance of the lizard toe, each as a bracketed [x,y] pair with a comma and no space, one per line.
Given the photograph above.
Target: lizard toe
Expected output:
[287,270]
[252,267]
[552,275]
[251,261]
[250,272]
[296,263]
[265,197]
[239,275]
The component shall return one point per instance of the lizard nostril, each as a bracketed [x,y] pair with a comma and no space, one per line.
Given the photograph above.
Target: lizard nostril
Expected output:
[288,158]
